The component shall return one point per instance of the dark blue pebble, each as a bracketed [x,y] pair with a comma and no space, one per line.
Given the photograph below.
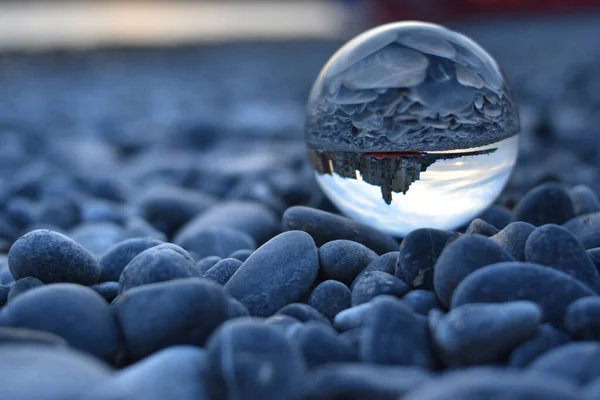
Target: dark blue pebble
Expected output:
[325,227]
[248,359]
[421,301]
[551,289]
[585,200]
[418,254]
[157,264]
[108,290]
[23,285]
[214,241]
[159,315]
[97,237]
[303,313]
[462,257]
[354,317]
[513,238]
[373,284]
[586,229]
[591,391]
[177,372]
[4,291]
[555,247]
[330,297]
[206,263]
[394,335]
[475,334]
[384,263]
[594,255]
[241,255]
[249,217]
[287,325]
[480,227]
[76,313]
[548,203]
[5,275]
[343,260]
[481,384]
[352,336]
[497,216]
[52,257]
[354,381]
[236,309]
[582,318]
[280,272]
[115,259]
[30,336]
[31,371]
[168,208]
[577,362]
[137,227]
[321,345]
[61,212]
[545,338]
[222,271]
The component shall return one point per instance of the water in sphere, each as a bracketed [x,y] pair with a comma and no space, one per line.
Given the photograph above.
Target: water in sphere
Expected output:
[412,125]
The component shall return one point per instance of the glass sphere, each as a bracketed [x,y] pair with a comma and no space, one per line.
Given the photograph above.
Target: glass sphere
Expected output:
[412,125]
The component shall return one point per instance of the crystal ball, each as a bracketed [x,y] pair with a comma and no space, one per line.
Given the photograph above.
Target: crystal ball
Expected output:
[412,125]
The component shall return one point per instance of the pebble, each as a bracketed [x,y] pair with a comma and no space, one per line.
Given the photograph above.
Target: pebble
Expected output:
[545,338]
[206,263]
[177,372]
[325,227]
[168,208]
[362,381]
[585,229]
[577,362]
[303,313]
[108,290]
[585,200]
[383,263]
[551,289]
[461,258]
[548,203]
[321,345]
[474,334]
[513,238]
[222,271]
[4,291]
[52,257]
[373,284]
[252,218]
[582,318]
[214,241]
[42,372]
[418,254]
[248,359]
[330,298]
[30,336]
[394,335]
[157,264]
[421,301]
[353,317]
[280,272]
[23,285]
[480,227]
[481,384]
[97,237]
[555,247]
[241,255]
[75,313]
[343,260]
[178,312]
[497,216]
[115,259]
[236,309]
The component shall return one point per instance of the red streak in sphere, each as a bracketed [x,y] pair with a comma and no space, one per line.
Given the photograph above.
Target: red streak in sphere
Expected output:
[393,155]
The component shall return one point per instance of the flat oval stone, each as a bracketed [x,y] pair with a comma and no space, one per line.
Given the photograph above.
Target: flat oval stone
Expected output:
[513,238]
[551,289]
[548,203]
[276,274]
[575,361]
[545,338]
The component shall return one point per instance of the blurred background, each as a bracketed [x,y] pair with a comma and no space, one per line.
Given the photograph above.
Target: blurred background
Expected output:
[218,89]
